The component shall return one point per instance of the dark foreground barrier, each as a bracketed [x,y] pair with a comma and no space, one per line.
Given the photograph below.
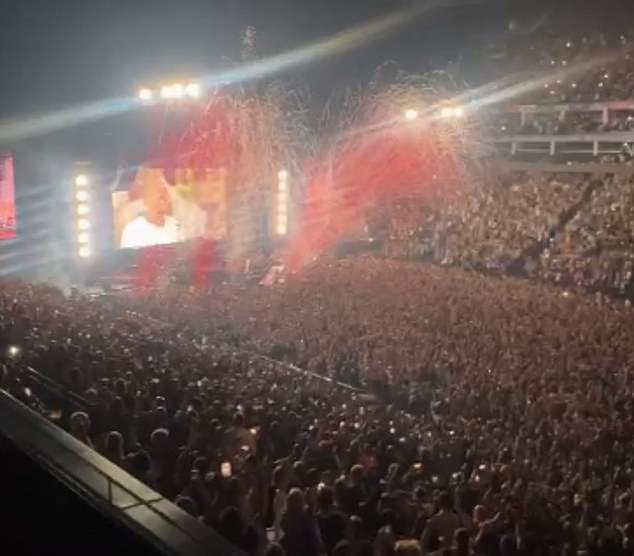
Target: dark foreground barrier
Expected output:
[61,497]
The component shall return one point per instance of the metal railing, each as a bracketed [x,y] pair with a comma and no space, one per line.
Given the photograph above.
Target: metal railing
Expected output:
[106,486]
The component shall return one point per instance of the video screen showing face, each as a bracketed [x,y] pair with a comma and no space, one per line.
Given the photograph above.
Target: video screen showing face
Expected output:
[153,211]
[7,198]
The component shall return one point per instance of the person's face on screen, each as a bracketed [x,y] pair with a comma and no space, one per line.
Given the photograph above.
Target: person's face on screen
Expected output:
[157,201]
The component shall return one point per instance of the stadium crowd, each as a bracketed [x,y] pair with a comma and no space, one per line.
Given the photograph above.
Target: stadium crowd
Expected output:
[503,425]
[610,79]
[571,229]
[379,406]
[501,218]
[490,224]
[578,94]
[595,248]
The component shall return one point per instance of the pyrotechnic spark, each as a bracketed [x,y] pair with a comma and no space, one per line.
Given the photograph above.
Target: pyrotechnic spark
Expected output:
[374,157]
[250,135]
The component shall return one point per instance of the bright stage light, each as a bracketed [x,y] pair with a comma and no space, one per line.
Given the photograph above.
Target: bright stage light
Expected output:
[281,227]
[13,351]
[84,251]
[411,114]
[83,238]
[175,91]
[451,112]
[281,216]
[282,208]
[81,196]
[146,94]
[446,112]
[178,90]
[166,91]
[192,90]
[82,209]
[83,224]
[81,180]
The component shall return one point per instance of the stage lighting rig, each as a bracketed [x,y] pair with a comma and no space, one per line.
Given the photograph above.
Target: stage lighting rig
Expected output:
[170,92]
[281,207]
[411,114]
[83,222]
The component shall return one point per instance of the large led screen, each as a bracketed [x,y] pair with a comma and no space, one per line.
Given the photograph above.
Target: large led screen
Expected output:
[7,198]
[155,211]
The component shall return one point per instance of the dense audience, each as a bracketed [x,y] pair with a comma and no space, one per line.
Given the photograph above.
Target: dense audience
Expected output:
[563,228]
[503,218]
[521,221]
[486,415]
[502,425]
[490,225]
[595,249]
[378,406]
[556,53]
[589,63]
[609,81]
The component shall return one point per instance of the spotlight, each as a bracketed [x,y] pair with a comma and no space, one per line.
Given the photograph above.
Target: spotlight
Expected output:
[81,196]
[13,351]
[81,180]
[83,224]
[83,237]
[84,251]
[192,90]
[82,209]
[452,112]
[411,114]
[281,227]
[166,91]
[146,94]
[177,90]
